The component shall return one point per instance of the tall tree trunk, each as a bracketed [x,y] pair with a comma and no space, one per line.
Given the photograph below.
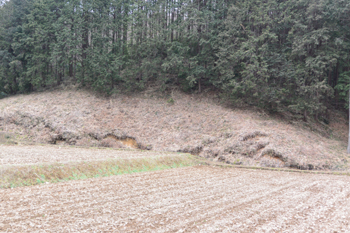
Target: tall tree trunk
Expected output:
[349,127]
[125,27]
[172,21]
[85,45]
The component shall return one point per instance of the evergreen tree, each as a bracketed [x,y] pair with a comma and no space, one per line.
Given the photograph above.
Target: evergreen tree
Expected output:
[282,55]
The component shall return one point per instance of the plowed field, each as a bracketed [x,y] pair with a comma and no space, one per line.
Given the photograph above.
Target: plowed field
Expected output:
[20,155]
[193,199]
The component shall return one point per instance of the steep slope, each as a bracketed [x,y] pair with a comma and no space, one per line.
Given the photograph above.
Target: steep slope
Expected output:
[186,123]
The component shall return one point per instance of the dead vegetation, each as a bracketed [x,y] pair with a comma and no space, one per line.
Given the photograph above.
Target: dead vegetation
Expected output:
[193,124]
[252,135]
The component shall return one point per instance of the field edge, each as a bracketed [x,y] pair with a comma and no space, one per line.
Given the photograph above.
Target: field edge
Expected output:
[26,175]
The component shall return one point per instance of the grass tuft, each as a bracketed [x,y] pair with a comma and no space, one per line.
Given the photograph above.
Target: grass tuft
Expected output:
[17,176]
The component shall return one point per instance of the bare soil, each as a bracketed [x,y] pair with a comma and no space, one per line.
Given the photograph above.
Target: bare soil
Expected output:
[195,199]
[24,155]
[197,124]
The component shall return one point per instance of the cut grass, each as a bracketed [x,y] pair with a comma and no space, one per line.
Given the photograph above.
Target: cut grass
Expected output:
[16,176]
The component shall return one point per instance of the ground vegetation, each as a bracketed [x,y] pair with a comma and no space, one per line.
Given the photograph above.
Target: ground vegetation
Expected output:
[196,124]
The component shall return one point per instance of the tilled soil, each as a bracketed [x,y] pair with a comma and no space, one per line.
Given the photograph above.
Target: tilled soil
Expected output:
[195,199]
[20,155]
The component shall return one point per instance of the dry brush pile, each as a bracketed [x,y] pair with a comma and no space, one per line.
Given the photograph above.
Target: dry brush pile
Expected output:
[188,123]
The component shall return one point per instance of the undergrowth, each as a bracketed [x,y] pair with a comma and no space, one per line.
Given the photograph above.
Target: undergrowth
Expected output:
[17,176]
[7,139]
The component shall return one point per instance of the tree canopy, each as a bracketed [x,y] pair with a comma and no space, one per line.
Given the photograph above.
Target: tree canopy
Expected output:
[282,55]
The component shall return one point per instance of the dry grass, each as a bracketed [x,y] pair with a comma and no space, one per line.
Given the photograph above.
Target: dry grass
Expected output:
[230,166]
[192,123]
[25,175]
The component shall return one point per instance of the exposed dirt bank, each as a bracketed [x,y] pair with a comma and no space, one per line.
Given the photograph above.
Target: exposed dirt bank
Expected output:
[187,123]
[197,199]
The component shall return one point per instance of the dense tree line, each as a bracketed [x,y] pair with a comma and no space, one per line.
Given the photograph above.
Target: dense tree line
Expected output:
[279,54]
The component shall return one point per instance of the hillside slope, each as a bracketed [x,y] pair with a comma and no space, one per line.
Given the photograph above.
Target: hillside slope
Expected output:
[186,123]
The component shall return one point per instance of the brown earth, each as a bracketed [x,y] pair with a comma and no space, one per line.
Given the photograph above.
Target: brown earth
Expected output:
[24,155]
[197,124]
[194,199]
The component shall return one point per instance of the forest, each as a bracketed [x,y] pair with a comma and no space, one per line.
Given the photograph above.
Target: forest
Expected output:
[281,55]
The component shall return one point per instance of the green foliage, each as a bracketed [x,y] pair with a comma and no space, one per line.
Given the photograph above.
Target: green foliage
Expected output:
[289,55]
[343,87]
[284,55]
[171,100]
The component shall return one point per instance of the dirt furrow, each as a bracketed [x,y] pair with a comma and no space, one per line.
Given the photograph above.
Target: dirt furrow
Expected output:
[197,199]
[249,196]
[124,198]
[275,213]
[325,209]
[194,208]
